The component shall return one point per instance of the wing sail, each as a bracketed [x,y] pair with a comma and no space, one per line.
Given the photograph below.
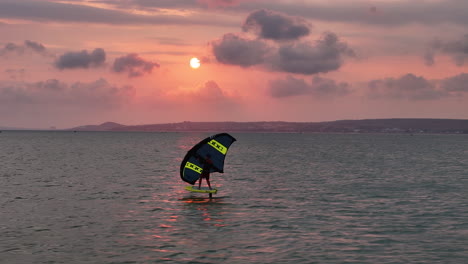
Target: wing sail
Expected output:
[216,146]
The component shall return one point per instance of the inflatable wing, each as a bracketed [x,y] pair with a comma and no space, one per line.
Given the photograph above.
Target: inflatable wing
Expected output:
[215,146]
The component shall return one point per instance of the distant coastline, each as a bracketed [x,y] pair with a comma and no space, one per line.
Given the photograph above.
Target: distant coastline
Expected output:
[396,125]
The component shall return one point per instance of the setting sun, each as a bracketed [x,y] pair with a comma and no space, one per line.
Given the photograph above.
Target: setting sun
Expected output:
[195,63]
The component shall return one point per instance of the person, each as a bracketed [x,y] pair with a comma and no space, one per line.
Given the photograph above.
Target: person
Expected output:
[207,165]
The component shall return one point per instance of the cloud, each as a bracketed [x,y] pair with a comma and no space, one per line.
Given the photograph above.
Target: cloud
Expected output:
[206,102]
[53,102]
[306,58]
[325,55]
[156,4]
[134,65]
[172,41]
[388,13]
[54,93]
[76,13]
[15,74]
[172,4]
[409,86]
[457,49]
[81,59]
[101,92]
[20,49]
[235,50]
[218,3]
[289,87]
[211,91]
[275,26]
[377,13]
[205,96]
[319,87]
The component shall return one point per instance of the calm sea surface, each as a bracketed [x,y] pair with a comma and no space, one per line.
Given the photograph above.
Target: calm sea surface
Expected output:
[99,197]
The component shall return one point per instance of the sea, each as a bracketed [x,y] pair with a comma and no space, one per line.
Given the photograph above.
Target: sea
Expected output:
[117,197]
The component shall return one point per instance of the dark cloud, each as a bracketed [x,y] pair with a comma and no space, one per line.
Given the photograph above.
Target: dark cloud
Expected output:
[429,59]
[74,12]
[325,55]
[458,83]
[306,58]
[276,26]
[319,87]
[54,93]
[11,48]
[235,50]
[133,65]
[325,88]
[20,49]
[409,87]
[81,59]
[457,49]
[37,47]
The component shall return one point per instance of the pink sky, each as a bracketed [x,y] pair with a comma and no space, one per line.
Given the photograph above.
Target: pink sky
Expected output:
[66,63]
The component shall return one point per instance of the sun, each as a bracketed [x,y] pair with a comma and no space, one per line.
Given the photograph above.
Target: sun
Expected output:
[195,63]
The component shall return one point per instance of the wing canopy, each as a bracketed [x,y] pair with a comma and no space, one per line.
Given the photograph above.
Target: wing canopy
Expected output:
[216,146]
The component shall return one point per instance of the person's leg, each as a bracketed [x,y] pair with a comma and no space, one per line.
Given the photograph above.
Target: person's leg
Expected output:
[208,181]
[199,182]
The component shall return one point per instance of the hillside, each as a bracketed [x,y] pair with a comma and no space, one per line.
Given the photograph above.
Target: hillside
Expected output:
[107,126]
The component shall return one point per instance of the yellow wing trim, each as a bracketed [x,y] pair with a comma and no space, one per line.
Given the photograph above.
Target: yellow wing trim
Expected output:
[218,146]
[193,167]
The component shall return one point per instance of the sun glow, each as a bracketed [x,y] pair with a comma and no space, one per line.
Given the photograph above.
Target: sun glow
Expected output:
[195,63]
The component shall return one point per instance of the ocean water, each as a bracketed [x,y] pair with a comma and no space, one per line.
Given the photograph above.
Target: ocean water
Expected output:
[100,197]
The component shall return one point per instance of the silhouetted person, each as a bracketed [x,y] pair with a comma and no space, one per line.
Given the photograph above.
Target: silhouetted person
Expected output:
[207,165]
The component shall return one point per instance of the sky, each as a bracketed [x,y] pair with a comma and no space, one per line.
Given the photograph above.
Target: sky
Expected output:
[65,63]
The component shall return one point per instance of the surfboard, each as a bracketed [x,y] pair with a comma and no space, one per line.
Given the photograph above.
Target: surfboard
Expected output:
[191,188]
